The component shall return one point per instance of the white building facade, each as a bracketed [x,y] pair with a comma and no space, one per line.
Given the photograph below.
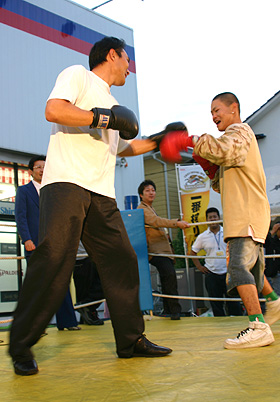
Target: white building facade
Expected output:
[265,123]
[38,40]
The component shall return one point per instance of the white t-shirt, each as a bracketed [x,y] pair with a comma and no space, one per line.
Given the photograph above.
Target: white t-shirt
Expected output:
[214,245]
[79,155]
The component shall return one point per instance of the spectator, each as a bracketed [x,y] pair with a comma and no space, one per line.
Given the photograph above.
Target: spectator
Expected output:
[27,206]
[27,220]
[88,287]
[272,265]
[212,242]
[159,243]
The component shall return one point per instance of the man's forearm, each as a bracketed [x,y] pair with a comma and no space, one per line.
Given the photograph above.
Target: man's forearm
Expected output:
[63,112]
[138,147]
[230,149]
[198,264]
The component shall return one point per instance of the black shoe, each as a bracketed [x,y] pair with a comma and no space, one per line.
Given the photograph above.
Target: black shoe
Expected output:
[175,316]
[70,329]
[95,319]
[145,348]
[89,317]
[86,315]
[26,368]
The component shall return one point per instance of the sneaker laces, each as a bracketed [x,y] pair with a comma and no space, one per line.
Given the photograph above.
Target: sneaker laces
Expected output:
[244,332]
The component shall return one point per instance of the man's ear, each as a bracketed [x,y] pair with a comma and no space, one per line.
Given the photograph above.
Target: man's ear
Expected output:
[234,108]
[111,54]
[30,172]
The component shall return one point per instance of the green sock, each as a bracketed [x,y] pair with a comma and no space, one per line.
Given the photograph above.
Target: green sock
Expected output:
[256,317]
[271,296]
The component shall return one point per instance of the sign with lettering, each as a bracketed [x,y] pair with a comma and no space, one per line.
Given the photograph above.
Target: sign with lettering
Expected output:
[194,191]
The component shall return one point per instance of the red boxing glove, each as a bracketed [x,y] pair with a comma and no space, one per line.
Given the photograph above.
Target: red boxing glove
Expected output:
[209,168]
[176,126]
[173,143]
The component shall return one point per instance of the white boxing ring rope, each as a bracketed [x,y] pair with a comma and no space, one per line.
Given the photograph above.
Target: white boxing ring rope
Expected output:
[76,307]
[191,224]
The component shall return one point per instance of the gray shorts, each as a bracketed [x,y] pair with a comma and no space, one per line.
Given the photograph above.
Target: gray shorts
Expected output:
[245,264]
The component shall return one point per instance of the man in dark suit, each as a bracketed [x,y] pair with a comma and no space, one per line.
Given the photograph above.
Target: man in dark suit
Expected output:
[27,206]
[27,220]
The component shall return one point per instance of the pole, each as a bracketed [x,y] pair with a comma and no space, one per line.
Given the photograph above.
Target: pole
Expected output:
[105,2]
[19,264]
[184,242]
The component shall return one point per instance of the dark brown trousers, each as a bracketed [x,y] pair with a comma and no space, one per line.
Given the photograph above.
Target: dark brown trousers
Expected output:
[69,213]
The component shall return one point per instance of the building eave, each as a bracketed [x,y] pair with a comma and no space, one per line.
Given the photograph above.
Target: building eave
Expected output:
[264,109]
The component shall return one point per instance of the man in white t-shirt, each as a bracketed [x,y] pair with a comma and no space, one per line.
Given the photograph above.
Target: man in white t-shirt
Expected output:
[77,202]
[212,242]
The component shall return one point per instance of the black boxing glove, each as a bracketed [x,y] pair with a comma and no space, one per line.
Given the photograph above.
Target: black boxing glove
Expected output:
[118,118]
[176,126]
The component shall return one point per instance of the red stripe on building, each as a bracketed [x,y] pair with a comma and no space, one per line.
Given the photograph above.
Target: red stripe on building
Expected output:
[42,31]
[53,35]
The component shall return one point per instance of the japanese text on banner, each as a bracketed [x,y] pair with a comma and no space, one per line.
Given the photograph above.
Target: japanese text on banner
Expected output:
[194,192]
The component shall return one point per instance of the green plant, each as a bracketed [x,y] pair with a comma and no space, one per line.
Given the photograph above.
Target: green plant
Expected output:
[178,247]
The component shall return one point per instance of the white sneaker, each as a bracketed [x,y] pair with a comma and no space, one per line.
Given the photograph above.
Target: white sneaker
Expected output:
[256,335]
[272,311]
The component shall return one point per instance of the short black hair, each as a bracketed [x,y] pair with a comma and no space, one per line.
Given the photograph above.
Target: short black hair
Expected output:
[100,50]
[35,159]
[212,209]
[144,184]
[228,98]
